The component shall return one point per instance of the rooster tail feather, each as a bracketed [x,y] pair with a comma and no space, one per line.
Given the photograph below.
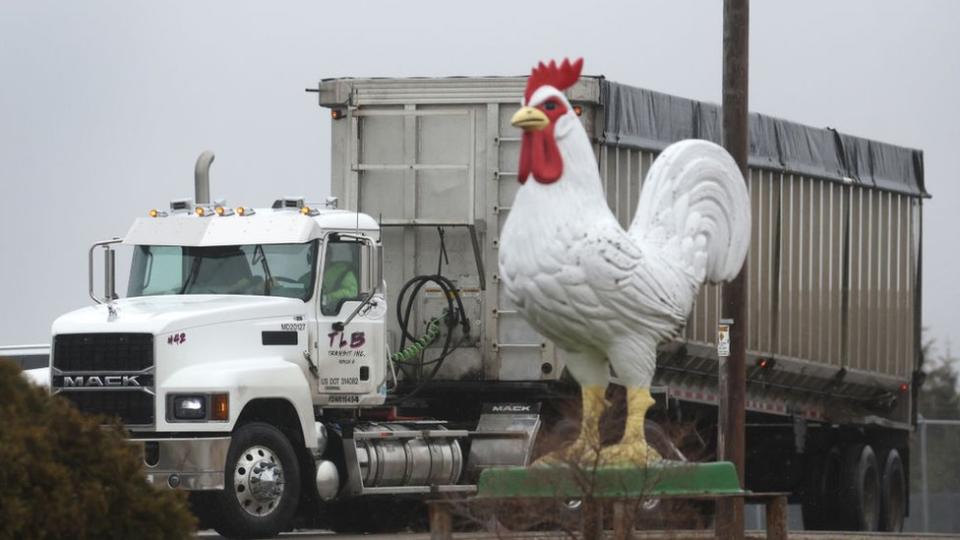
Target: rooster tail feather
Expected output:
[694,207]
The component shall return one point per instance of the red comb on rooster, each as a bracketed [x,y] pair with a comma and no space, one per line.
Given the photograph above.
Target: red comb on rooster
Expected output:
[605,295]
[545,109]
[560,77]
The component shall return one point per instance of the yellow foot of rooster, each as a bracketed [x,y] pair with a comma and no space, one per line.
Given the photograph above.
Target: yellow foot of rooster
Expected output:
[639,454]
[633,448]
[581,452]
[584,450]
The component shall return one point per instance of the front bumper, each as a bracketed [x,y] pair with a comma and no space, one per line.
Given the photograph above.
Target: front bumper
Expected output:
[191,464]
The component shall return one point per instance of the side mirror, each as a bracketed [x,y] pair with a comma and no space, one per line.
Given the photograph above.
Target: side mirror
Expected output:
[109,273]
[377,266]
[109,270]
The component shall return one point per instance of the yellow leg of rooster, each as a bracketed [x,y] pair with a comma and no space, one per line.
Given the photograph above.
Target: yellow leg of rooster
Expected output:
[632,448]
[584,449]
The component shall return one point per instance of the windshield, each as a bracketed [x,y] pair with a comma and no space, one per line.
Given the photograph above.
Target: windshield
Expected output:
[255,269]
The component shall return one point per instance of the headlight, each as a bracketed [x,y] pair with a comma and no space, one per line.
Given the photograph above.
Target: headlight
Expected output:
[198,407]
[190,407]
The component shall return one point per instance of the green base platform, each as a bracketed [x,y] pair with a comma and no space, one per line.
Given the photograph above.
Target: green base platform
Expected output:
[663,479]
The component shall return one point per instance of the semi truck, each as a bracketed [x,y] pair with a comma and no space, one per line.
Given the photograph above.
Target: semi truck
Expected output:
[315,360]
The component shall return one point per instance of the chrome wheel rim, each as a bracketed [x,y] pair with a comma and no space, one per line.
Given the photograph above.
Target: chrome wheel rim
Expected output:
[258,481]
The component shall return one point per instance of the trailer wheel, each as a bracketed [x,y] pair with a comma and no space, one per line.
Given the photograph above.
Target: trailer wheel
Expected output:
[261,484]
[893,493]
[819,498]
[860,491]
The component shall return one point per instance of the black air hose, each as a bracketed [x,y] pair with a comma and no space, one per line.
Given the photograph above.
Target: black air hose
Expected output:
[453,315]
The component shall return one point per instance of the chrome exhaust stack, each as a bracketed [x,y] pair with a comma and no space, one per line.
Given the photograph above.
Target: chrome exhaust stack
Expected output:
[201,178]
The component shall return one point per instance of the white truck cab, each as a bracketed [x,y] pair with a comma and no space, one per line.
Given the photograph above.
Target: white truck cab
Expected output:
[248,339]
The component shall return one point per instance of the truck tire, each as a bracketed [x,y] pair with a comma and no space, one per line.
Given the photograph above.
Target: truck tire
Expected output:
[893,493]
[859,499]
[818,501]
[261,484]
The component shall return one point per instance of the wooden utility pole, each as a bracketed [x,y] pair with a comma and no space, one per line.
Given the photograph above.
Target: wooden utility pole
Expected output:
[730,522]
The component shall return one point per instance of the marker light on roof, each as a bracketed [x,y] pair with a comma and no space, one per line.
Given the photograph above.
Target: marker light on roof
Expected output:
[156,213]
[242,211]
[222,211]
[200,211]
[307,211]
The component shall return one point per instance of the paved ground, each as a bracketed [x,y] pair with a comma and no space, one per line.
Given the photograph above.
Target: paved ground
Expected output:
[639,535]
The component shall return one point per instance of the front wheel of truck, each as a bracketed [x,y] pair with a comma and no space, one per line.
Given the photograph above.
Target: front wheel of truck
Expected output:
[261,484]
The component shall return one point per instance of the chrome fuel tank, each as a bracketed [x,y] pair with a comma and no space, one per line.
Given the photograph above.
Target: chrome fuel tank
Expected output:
[400,454]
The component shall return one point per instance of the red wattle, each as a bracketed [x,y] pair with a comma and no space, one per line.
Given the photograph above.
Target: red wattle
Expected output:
[540,155]
[525,144]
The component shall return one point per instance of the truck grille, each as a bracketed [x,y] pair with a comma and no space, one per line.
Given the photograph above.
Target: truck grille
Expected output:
[106,374]
[103,352]
[132,408]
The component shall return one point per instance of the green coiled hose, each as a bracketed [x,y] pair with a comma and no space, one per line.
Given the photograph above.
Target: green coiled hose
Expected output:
[417,347]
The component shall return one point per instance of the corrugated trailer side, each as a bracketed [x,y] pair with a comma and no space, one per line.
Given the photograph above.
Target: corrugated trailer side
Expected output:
[833,263]
[423,153]
[833,282]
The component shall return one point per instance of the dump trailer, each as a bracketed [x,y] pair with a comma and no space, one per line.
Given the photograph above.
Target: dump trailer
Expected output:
[834,271]
[335,363]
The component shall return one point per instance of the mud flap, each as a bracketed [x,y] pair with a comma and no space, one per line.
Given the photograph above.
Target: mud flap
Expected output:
[504,436]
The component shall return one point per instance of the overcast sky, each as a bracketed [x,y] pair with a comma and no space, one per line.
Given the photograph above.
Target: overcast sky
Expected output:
[104,106]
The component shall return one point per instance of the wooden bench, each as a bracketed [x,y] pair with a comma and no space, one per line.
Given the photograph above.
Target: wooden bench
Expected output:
[618,488]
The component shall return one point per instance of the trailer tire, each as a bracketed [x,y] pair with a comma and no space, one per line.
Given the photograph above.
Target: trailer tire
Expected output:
[860,491]
[819,497]
[261,484]
[893,493]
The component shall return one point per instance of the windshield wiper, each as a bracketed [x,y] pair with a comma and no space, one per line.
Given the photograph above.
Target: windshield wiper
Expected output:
[192,276]
[267,277]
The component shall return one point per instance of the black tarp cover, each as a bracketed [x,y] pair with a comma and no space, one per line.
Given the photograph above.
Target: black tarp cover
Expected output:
[638,118]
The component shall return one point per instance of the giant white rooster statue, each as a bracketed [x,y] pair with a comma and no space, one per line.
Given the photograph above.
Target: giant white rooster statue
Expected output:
[605,295]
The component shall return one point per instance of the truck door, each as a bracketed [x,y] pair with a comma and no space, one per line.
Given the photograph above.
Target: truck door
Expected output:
[351,351]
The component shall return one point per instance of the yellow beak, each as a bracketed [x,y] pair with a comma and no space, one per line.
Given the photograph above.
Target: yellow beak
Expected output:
[530,119]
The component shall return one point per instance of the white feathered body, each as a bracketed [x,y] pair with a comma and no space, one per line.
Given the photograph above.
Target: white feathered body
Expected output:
[604,292]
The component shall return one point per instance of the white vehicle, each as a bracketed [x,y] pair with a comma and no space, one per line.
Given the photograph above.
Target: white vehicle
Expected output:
[257,357]
[252,341]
